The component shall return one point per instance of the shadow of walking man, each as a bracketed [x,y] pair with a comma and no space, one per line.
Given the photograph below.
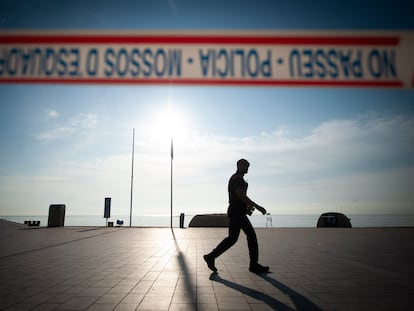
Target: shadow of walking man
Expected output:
[299,302]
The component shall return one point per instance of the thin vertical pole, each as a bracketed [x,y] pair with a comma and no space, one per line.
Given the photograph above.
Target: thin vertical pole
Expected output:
[132,177]
[171,183]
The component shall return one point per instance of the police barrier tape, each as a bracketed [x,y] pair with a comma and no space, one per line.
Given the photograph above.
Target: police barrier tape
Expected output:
[347,59]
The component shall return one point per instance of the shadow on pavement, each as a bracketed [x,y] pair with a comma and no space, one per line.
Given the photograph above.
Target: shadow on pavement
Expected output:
[185,272]
[300,302]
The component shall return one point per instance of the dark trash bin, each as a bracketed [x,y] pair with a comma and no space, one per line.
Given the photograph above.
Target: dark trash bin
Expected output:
[56,215]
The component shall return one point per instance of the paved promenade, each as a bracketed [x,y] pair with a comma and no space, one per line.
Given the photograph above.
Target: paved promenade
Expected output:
[81,268]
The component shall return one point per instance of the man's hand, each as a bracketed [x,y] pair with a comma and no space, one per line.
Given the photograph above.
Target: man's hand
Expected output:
[261,209]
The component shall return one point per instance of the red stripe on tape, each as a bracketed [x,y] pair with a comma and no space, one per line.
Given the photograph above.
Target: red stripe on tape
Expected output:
[232,40]
[233,82]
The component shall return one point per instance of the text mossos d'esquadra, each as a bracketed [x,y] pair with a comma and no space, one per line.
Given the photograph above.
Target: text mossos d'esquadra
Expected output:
[204,63]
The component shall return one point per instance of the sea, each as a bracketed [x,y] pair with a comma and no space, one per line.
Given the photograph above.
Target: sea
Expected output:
[258,221]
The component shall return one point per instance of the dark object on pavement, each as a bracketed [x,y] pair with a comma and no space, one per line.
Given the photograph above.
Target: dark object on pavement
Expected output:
[56,215]
[209,220]
[32,223]
[333,220]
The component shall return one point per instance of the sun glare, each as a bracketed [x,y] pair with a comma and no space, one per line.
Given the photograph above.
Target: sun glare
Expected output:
[167,123]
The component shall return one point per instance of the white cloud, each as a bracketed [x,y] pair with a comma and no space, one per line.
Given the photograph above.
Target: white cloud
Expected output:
[78,124]
[53,114]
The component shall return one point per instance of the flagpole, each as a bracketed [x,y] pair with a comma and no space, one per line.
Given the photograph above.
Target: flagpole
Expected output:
[132,176]
[171,183]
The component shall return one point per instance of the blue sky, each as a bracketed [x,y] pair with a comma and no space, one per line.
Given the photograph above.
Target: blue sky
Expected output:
[312,149]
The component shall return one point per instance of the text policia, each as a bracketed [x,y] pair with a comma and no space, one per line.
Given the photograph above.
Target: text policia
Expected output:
[195,62]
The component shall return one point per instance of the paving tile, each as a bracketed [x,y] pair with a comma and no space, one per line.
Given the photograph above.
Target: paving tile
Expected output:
[133,298]
[121,289]
[21,307]
[58,289]
[183,307]
[205,290]
[207,307]
[184,298]
[46,307]
[74,290]
[140,289]
[102,307]
[155,303]
[94,291]
[59,298]
[77,303]
[39,298]
[111,298]
[160,291]
[234,305]
[126,307]
[206,298]
[261,307]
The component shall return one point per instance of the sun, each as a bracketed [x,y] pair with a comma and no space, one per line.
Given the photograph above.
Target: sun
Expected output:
[167,123]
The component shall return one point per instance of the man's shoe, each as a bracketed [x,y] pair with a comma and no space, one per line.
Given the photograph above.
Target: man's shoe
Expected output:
[258,268]
[210,262]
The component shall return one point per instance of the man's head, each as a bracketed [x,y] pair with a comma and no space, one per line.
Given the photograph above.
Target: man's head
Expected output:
[243,166]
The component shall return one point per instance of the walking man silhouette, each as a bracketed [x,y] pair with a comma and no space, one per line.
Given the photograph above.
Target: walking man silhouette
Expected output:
[239,206]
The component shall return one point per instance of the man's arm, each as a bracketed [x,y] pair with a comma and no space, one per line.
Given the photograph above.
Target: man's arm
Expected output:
[246,200]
